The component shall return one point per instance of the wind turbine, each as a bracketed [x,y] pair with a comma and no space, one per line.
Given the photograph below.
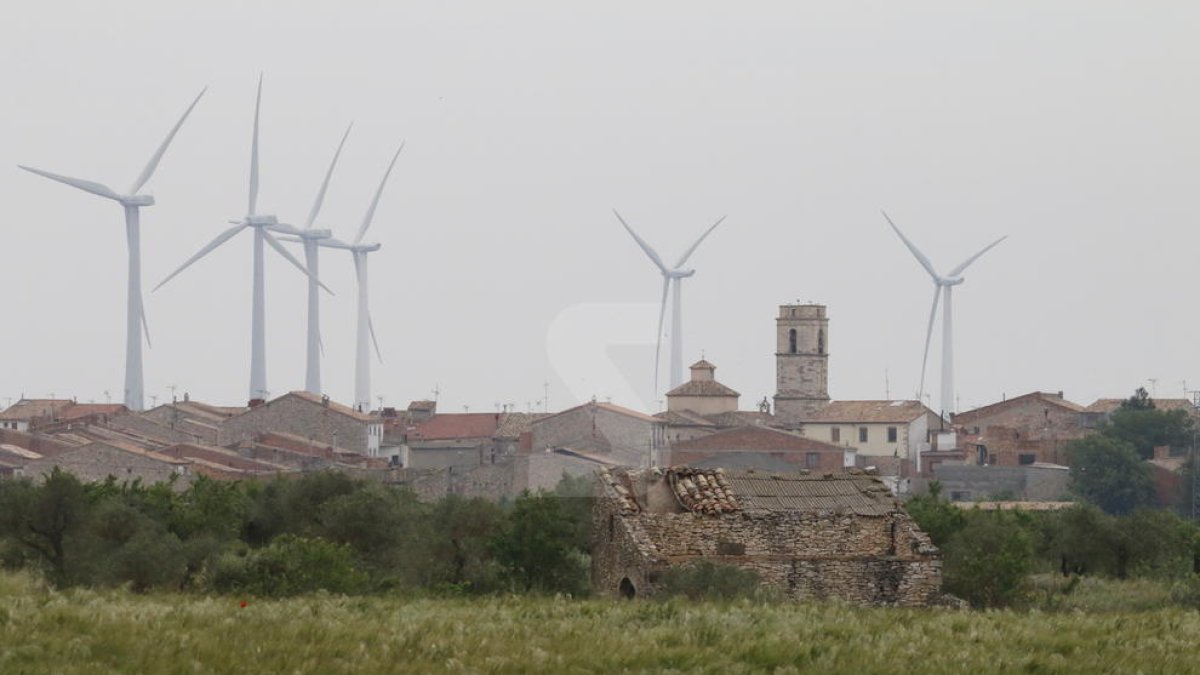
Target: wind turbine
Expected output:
[262,225]
[942,285]
[366,328]
[672,277]
[311,238]
[135,311]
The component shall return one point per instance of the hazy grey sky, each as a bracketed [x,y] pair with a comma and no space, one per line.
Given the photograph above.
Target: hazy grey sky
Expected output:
[1070,126]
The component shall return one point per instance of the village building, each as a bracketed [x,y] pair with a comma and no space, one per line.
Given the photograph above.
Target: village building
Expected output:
[311,417]
[888,435]
[28,414]
[579,440]
[100,460]
[809,536]
[762,449]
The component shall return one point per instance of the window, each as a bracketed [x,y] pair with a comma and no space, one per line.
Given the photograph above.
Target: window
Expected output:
[892,434]
[792,341]
[812,460]
[835,434]
[862,434]
[821,341]
[1025,459]
[960,495]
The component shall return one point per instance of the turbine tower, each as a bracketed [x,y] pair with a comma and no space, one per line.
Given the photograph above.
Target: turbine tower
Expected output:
[311,238]
[942,285]
[262,225]
[672,284]
[366,327]
[135,311]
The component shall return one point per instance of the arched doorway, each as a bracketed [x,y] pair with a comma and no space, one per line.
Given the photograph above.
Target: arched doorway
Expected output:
[626,589]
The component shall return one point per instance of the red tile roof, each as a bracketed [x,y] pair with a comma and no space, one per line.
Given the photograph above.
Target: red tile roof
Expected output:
[755,439]
[447,426]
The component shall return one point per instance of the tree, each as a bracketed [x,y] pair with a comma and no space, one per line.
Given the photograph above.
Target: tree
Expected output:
[1140,423]
[936,516]
[41,518]
[986,561]
[460,539]
[1110,474]
[536,546]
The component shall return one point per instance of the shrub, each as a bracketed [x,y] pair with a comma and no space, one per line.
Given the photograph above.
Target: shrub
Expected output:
[289,565]
[706,580]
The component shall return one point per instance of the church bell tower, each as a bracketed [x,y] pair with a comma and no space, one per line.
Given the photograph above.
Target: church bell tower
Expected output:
[801,361]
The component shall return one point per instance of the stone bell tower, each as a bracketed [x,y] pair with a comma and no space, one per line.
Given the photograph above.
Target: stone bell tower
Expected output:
[801,361]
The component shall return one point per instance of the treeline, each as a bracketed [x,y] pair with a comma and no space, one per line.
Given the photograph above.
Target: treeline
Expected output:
[991,556]
[319,531]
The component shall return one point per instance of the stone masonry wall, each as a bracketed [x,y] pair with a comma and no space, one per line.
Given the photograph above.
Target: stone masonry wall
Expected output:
[882,560]
[302,418]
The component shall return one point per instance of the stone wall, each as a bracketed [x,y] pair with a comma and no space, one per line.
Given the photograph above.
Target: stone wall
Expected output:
[975,483]
[294,415]
[97,461]
[596,429]
[492,481]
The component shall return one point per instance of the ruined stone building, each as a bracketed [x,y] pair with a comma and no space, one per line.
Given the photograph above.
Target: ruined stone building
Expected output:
[810,536]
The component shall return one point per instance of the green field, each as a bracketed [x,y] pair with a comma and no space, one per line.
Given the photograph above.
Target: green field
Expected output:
[81,631]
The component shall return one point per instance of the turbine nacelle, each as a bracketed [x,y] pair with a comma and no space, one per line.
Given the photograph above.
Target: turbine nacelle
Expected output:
[679,274]
[949,281]
[260,221]
[137,200]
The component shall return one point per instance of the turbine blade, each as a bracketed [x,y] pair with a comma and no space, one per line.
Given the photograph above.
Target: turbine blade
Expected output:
[371,328]
[316,207]
[958,270]
[362,229]
[217,241]
[641,242]
[153,163]
[292,259]
[911,247]
[320,343]
[696,245]
[937,296]
[85,185]
[145,324]
[662,313]
[254,151]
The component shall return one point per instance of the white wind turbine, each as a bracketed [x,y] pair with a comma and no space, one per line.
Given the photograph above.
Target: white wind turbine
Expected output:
[262,226]
[366,328]
[942,285]
[311,239]
[672,276]
[135,311]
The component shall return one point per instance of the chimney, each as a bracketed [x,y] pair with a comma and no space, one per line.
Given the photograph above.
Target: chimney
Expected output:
[255,402]
[324,400]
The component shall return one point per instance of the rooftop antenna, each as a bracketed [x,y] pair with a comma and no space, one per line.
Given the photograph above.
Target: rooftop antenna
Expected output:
[131,202]
[887,385]
[672,280]
[1153,386]
[107,397]
[153,401]
[942,286]
[546,396]
[436,391]
[466,408]
[380,399]
[173,388]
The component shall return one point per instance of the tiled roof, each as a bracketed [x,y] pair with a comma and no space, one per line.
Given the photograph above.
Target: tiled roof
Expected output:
[332,405]
[683,418]
[1109,405]
[84,409]
[422,405]
[739,418]
[610,407]
[702,388]
[861,495]
[15,451]
[29,408]
[446,426]
[702,490]
[755,438]
[1041,397]
[878,412]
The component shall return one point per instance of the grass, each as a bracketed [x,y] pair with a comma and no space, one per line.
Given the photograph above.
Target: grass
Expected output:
[114,631]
